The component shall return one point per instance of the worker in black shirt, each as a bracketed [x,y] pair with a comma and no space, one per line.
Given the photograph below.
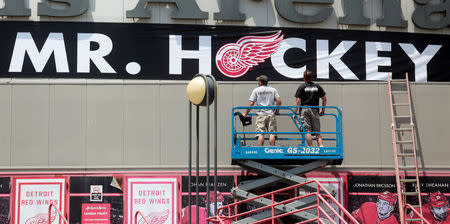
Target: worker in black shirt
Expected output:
[308,94]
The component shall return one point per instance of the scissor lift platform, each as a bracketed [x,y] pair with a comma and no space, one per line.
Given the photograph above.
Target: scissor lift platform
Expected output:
[295,153]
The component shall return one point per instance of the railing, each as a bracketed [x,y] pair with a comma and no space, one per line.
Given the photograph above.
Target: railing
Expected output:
[295,139]
[61,216]
[415,212]
[142,215]
[321,198]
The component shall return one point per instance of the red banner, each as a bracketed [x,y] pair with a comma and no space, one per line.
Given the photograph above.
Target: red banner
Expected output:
[95,213]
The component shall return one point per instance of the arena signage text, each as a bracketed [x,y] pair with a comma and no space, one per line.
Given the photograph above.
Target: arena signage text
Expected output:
[391,11]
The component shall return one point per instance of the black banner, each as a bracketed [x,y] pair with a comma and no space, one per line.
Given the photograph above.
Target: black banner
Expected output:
[224,183]
[387,183]
[432,184]
[230,53]
[371,184]
[5,186]
[4,209]
[364,193]
[83,184]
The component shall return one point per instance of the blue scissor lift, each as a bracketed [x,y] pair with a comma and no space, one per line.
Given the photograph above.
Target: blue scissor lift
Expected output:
[290,150]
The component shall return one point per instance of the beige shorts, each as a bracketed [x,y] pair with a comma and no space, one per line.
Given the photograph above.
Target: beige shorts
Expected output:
[310,119]
[266,123]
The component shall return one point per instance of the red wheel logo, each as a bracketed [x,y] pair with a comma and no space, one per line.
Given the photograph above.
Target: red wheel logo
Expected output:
[235,59]
[41,218]
[156,217]
[227,60]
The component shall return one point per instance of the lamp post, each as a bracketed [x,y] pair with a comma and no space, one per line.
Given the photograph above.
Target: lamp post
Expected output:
[202,91]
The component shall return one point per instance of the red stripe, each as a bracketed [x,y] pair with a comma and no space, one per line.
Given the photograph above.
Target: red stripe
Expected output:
[88,194]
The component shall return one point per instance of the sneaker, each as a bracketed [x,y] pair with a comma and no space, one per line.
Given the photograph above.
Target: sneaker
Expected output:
[320,145]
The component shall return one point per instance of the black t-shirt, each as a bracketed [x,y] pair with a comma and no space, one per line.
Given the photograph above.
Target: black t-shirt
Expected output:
[309,94]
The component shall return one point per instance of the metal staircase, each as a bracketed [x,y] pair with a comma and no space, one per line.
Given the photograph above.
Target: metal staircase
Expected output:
[270,211]
[307,205]
[243,191]
[404,146]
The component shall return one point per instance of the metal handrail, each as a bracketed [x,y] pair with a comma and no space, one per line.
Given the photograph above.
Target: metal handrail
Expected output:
[57,211]
[417,213]
[321,194]
[142,215]
[216,219]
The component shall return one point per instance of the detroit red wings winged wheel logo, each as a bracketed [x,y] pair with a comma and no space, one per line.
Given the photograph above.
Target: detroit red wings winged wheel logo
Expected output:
[156,217]
[41,218]
[235,59]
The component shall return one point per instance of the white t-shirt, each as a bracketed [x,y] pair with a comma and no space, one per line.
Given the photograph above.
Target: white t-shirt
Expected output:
[264,96]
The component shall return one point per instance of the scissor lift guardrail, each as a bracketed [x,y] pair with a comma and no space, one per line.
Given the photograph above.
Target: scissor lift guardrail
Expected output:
[300,151]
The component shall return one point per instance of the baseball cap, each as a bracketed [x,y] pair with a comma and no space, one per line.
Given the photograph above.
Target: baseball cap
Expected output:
[389,197]
[263,78]
[219,197]
[437,199]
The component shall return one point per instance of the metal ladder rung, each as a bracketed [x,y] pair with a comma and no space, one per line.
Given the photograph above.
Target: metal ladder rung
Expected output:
[403,116]
[399,92]
[404,142]
[410,193]
[413,220]
[405,154]
[408,180]
[398,80]
[400,104]
[406,167]
[403,129]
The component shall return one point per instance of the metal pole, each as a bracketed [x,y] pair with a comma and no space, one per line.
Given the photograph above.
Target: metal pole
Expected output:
[209,79]
[215,144]
[207,148]
[190,159]
[197,162]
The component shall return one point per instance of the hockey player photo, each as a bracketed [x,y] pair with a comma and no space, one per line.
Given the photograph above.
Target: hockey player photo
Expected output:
[379,212]
[436,211]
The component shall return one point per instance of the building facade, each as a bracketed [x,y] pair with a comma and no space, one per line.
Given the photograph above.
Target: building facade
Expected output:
[94,92]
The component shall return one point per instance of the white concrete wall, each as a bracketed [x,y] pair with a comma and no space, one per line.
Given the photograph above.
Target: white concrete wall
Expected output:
[118,126]
[49,124]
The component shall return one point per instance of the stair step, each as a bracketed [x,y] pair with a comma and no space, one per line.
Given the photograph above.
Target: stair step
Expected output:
[406,167]
[399,92]
[410,193]
[405,154]
[408,180]
[400,104]
[403,129]
[404,142]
